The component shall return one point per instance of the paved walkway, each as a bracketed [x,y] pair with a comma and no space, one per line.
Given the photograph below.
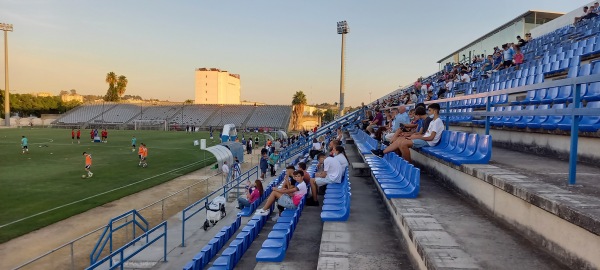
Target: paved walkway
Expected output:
[548,169]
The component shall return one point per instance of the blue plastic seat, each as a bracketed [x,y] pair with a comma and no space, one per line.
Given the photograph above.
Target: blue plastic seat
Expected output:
[564,93]
[536,121]
[590,123]
[470,148]
[531,94]
[592,93]
[552,120]
[551,94]
[566,123]
[584,70]
[481,156]
[411,191]
[524,120]
[461,144]
[509,121]
[452,139]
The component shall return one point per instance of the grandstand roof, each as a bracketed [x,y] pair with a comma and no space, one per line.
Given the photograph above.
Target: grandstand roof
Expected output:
[538,13]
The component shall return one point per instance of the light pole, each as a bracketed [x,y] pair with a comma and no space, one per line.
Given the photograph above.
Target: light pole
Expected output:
[342,29]
[6,28]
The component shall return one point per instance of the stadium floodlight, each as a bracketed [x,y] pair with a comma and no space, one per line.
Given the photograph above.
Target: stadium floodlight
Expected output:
[6,28]
[342,29]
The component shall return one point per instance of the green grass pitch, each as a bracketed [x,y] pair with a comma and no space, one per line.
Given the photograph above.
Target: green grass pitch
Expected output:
[50,175]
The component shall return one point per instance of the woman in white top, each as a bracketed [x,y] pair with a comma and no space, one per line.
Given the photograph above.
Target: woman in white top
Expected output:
[316,148]
[340,155]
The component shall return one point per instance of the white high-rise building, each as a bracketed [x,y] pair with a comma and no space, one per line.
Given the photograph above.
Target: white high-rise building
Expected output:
[215,86]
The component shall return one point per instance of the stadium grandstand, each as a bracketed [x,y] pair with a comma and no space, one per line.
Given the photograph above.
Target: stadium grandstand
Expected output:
[115,115]
[509,180]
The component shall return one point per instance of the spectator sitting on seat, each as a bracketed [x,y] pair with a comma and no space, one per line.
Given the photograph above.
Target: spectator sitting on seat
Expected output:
[368,118]
[400,120]
[332,144]
[416,141]
[416,126]
[252,194]
[340,134]
[464,77]
[519,57]
[302,166]
[331,174]
[413,98]
[288,198]
[592,12]
[288,180]
[316,148]
[521,41]
[430,96]
[585,13]
[339,153]
[377,121]
[528,37]
[487,65]
[498,64]
[507,55]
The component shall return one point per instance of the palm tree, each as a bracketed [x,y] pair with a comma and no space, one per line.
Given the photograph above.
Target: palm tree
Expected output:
[111,93]
[121,85]
[111,79]
[298,102]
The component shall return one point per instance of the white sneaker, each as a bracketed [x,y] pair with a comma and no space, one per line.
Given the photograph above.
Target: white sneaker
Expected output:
[275,218]
[260,179]
[262,212]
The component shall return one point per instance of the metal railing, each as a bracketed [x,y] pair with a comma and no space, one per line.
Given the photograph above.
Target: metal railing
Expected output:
[121,251]
[575,113]
[72,252]
[202,204]
[107,235]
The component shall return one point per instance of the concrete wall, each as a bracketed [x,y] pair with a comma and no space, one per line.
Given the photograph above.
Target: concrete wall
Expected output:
[559,22]
[588,150]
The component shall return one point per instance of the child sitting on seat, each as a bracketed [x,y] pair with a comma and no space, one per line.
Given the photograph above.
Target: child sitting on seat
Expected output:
[288,198]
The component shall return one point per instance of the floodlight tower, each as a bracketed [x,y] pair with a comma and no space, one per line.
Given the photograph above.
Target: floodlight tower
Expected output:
[6,28]
[342,29]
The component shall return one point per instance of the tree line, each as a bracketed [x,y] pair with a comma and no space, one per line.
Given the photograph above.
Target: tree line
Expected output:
[28,104]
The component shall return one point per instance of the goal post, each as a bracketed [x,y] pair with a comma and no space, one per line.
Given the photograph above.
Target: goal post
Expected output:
[150,125]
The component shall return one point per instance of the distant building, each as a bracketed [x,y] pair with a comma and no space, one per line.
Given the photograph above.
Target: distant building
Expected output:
[71,97]
[44,94]
[215,86]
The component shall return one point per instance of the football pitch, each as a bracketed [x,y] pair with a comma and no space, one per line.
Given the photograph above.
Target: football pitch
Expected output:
[50,175]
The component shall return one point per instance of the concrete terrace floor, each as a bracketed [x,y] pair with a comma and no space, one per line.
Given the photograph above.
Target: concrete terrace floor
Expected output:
[549,170]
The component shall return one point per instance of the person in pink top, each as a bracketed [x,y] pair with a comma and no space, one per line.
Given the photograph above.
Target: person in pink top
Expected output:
[518,59]
[252,194]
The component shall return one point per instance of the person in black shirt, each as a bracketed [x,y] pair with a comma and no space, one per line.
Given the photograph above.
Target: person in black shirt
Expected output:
[521,41]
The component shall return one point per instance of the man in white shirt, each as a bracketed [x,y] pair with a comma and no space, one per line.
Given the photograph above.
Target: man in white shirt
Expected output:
[464,77]
[430,138]
[331,173]
[225,168]
[339,154]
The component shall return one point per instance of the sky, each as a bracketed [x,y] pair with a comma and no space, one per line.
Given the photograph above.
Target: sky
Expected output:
[278,47]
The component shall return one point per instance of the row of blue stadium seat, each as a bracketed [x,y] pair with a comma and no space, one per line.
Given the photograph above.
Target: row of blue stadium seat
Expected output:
[396,177]
[588,123]
[363,141]
[214,245]
[462,148]
[336,203]
[212,248]
[274,248]
[233,254]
